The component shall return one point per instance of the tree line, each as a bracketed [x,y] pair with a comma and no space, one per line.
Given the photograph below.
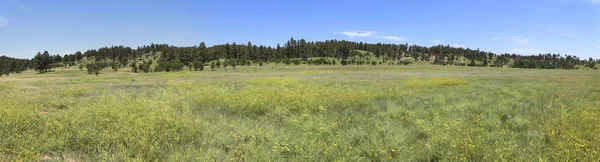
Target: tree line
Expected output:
[294,51]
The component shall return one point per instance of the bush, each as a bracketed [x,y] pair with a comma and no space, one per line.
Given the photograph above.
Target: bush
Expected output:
[95,67]
[404,62]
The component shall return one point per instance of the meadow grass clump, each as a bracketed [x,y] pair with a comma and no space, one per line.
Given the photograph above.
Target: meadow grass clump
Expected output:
[435,82]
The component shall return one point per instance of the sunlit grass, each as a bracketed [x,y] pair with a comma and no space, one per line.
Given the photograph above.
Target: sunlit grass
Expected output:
[303,114]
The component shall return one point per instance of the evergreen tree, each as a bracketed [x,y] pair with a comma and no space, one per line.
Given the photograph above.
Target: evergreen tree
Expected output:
[42,62]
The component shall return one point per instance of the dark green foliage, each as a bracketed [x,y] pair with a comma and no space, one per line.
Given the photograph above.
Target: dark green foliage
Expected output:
[296,61]
[114,66]
[485,63]
[43,62]
[212,66]
[95,67]
[591,63]
[547,61]
[172,58]
[233,63]
[404,62]
[198,65]
[134,68]
[344,62]
[472,63]
[144,67]
[9,65]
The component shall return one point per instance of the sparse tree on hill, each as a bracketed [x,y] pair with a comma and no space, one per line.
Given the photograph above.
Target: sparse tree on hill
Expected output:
[218,63]
[485,63]
[198,65]
[43,62]
[95,67]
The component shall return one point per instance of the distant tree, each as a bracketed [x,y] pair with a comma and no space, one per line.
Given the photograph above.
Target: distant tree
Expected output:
[114,66]
[225,65]
[134,68]
[43,62]
[212,66]
[233,63]
[145,67]
[344,62]
[81,67]
[198,65]
[95,67]
[218,63]
[485,63]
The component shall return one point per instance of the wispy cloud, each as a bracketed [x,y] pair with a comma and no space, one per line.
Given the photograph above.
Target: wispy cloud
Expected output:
[392,38]
[357,33]
[437,41]
[592,1]
[519,40]
[562,33]
[370,34]
[19,4]
[514,39]
[526,51]
[3,21]
[598,46]
[458,45]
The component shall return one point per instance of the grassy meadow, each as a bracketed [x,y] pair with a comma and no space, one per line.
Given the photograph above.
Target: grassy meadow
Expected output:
[302,113]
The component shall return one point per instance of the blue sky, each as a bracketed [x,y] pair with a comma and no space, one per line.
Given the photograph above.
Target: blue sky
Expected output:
[520,26]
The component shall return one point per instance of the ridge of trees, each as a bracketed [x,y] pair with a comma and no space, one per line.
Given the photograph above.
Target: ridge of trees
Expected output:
[294,51]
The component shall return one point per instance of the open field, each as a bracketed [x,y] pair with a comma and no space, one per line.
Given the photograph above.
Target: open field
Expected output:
[303,113]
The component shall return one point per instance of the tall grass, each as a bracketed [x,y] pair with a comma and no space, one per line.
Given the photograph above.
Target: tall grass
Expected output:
[266,117]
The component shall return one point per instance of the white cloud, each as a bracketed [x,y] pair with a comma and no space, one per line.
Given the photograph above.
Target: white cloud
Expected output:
[519,40]
[526,51]
[598,46]
[458,45]
[437,41]
[3,21]
[19,4]
[592,1]
[514,39]
[392,38]
[358,33]
[370,34]
[562,33]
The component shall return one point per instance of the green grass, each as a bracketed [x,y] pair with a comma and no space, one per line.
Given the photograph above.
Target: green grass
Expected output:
[303,113]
